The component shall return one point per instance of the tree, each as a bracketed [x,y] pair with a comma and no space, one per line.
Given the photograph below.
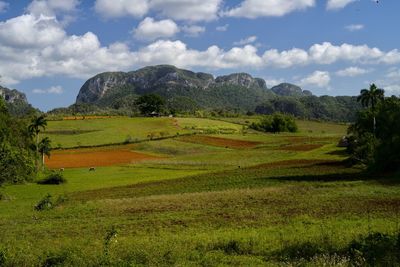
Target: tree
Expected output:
[44,149]
[16,157]
[371,97]
[150,103]
[37,124]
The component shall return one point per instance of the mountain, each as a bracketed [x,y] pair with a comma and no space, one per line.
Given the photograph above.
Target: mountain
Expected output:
[236,91]
[16,101]
[12,96]
[288,89]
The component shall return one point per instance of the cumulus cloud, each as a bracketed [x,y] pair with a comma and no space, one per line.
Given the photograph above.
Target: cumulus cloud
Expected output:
[245,41]
[177,53]
[36,47]
[3,6]
[222,28]
[354,27]
[149,29]
[191,10]
[51,7]
[317,78]
[271,8]
[271,82]
[352,72]
[338,4]
[121,8]
[193,30]
[58,90]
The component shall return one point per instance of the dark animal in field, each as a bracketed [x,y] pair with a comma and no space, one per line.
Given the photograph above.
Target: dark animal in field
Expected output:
[92,169]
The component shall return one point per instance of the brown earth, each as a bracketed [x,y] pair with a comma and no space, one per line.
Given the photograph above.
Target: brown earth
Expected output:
[303,147]
[219,141]
[79,158]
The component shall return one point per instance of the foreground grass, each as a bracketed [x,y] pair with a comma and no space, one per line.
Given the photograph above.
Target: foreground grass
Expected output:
[288,200]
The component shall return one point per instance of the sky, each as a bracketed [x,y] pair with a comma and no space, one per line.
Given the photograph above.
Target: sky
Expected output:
[49,48]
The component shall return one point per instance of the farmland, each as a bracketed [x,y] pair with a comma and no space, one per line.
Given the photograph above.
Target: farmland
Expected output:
[190,192]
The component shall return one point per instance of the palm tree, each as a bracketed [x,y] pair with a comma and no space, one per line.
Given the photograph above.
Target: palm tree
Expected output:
[371,97]
[37,123]
[44,148]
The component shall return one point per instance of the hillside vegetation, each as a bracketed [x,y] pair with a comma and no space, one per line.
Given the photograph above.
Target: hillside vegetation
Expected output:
[200,94]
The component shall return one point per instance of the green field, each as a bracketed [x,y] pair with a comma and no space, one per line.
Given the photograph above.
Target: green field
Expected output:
[279,202]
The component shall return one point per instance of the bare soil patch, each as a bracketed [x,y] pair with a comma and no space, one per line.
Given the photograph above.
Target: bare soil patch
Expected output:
[79,158]
[302,147]
[219,141]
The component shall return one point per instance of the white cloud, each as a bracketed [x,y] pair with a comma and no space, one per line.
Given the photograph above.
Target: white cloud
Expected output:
[28,31]
[286,59]
[338,4]
[352,72]
[193,30]
[51,7]
[190,10]
[177,53]
[36,47]
[317,78]
[3,6]
[270,82]
[271,8]
[222,28]
[245,41]
[57,90]
[149,29]
[354,27]
[121,8]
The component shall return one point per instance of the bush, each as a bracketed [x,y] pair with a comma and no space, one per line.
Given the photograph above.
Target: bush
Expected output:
[47,202]
[54,178]
[276,123]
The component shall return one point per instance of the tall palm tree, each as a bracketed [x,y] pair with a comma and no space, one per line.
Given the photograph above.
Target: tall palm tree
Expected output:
[371,97]
[37,124]
[44,149]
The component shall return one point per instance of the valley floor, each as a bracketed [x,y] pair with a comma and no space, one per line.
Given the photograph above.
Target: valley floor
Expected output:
[207,193]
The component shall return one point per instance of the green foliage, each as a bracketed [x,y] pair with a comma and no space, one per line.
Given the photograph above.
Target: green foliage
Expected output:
[46,203]
[58,258]
[16,158]
[150,103]
[276,123]
[377,145]
[53,179]
[377,249]
[340,108]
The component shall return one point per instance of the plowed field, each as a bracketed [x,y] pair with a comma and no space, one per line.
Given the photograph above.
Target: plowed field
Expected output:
[79,158]
[219,141]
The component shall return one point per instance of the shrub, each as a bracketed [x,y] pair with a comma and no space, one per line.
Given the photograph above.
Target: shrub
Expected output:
[54,178]
[276,123]
[45,203]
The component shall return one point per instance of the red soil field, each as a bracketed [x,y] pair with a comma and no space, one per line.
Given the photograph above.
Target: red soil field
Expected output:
[303,147]
[219,141]
[79,158]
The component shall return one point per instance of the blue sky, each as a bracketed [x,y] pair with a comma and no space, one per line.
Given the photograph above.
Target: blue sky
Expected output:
[49,48]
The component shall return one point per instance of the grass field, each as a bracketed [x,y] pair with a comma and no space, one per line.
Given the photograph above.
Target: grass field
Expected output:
[221,197]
